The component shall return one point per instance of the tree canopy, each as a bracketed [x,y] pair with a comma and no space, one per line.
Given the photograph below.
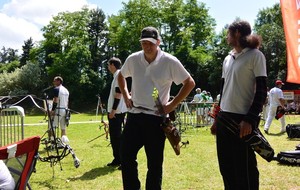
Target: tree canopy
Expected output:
[78,44]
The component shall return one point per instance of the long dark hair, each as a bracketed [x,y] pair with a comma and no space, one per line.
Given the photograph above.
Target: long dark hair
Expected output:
[247,39]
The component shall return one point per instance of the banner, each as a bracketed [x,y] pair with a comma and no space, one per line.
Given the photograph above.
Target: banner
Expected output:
[291,20]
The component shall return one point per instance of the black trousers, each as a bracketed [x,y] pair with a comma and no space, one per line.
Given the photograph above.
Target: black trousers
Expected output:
[237,161]
[142,130]
[115,131]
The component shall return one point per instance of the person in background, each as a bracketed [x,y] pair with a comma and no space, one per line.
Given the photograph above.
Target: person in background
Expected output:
[297,108]
[218,98]
[208,108]
[150,69]
[210,98]
[276,100]
[291,106]
[60,107]
[197,99]
[266,106]
[203,108]
[243,93]
[117,109]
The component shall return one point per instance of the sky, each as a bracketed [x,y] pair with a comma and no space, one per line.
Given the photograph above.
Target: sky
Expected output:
[22,19]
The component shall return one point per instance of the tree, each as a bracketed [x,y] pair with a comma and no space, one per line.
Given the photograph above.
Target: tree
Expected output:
[9,60]
[26,51]
[186,30]
[22,81]
[100,53]
[220,50]
[124,29]
[72,46]
[97,30]
[8,55]
[197,35]
[270,26]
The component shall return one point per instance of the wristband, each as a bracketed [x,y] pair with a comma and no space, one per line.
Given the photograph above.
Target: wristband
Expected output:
[54,105]
[116,103]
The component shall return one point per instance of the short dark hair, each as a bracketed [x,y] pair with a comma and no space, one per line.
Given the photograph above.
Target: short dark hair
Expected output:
[116,62]
[59,78]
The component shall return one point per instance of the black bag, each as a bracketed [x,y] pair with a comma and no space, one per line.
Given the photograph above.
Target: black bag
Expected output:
[293,130]
[255,140]
[68,116]
[289,157]
[279,112]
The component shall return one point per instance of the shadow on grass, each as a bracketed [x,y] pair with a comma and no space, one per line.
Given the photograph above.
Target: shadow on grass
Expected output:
[275,134]
[46,183]
[94,173]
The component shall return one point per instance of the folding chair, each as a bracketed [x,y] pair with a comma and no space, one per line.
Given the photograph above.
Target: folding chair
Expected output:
[11,125]
[20,158]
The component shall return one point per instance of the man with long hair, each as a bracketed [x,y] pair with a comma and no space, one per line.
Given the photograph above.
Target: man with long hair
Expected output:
[243,94]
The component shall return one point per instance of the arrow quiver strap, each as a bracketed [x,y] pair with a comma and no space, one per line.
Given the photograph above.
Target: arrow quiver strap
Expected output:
[172,134]
[255,140]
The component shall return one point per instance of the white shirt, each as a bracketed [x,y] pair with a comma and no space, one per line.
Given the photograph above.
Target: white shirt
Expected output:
[63,97]
[197,98]
[210,100]
[274,96]
[6,180]
[239,75]
[161,73]
[122,106]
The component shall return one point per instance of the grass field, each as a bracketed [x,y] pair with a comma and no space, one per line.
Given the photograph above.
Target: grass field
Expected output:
[195,169]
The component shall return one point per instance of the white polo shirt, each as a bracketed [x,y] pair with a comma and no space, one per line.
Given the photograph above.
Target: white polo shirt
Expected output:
[240,83]
[122,106]
[197,98]
[160,74]
[274,95]
[63,96]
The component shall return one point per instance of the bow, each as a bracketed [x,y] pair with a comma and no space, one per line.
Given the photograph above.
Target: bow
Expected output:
[103,123]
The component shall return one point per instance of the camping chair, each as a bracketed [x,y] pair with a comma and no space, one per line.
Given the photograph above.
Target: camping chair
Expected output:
[20,158]
[11,125]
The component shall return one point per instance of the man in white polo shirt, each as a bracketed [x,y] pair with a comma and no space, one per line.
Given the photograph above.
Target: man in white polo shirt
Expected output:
[150,68]
[199,109]
[60,106]
[116,111]
[276,99]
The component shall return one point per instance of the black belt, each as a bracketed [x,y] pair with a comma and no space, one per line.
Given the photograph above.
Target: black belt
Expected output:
[143,108]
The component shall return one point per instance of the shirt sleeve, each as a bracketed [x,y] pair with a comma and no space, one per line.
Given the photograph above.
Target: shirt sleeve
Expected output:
[56,91]
[126,69]
[259,61]
[179,73]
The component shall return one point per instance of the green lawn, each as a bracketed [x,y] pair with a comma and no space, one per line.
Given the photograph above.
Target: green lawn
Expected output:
[195,169]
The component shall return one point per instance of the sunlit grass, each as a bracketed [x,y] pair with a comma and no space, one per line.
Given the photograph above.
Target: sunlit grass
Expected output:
[195,169]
